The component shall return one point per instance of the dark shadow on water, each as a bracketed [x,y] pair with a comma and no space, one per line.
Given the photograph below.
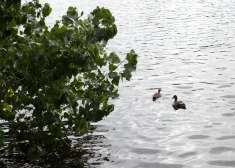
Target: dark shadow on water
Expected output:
[159,165]
[225,137]
[221,149]
[228,114]
[187,154]
[83,148]
[198,137]
[224,163]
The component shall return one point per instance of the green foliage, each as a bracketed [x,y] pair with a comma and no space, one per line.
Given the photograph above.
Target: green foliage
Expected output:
[53,81]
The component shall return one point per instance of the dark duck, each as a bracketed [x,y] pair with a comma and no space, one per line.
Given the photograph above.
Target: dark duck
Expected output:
[178,104]
[157,95]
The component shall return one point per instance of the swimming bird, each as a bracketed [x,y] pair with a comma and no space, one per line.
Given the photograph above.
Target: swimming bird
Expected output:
[157,95]
[178,104]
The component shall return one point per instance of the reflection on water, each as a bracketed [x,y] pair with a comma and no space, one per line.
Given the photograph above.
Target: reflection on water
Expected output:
[186,48]
[83,148]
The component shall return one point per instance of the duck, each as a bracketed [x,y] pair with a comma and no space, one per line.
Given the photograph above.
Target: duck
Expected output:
[178,104]
[157,95]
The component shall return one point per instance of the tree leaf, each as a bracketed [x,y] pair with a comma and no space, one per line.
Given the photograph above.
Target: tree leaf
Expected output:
[116,80]
[8,107]
[67,20]
[28,30]
[46,10]
[102,98]
[112,67]
[132,58]
[72,13]
[12,23]
[113,74]
[126,74]
[113,58]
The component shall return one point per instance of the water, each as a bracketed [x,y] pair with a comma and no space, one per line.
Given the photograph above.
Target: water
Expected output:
[186,48]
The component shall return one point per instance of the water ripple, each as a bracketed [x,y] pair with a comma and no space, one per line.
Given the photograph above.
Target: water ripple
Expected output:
[160,165]
[224,163]
[219,150]
[188,154]
[141,151]
[226,137]
[198,137]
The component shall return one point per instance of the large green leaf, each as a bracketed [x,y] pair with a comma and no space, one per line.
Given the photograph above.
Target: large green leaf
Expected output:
[67,20]
[113,58]
[72,13]
[112,67]
[46,10]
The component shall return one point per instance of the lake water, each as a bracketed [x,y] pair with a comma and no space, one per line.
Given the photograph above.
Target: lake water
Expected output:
[186,48]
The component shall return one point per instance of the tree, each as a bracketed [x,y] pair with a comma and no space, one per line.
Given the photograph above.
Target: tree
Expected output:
[53,81]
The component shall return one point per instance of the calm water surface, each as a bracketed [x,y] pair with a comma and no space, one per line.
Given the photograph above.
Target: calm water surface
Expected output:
[186,48]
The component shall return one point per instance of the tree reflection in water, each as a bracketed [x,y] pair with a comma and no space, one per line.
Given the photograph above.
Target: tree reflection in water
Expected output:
[84,148]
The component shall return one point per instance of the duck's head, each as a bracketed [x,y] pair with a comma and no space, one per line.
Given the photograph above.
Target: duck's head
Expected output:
[174,97]
[159,90]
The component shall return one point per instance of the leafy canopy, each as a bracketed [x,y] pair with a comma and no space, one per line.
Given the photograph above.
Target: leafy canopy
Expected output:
[55,80]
